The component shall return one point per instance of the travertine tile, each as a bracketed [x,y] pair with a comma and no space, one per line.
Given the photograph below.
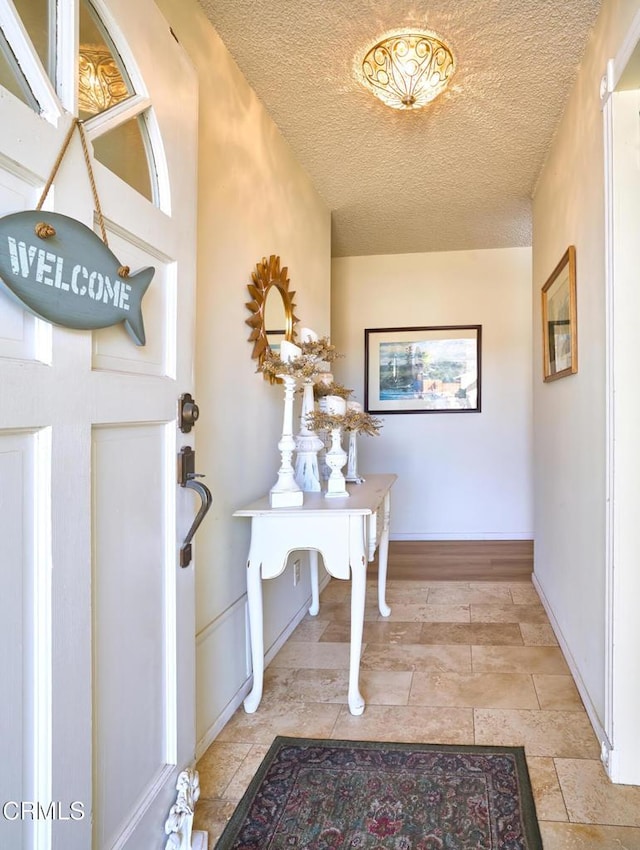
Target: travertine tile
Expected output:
[524,594]
[481,613]
[591,797]
[340,612]
[412,613]
[245,773]
[413,657]
[218,766]
[416,596]
[304,720]
[518,659]
[538,634]
[487,690]
[565,734]
[212,816]
[381,687]
[496,634]
[418,681]
[313,655]
[378,632]
[337,590]
[491,595]
[574,836]
[414,724]
[546,789]
[310,630]
[557,692]
[332,686]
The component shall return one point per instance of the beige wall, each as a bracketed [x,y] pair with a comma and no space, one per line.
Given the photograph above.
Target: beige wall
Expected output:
[460,476]
[254,200]
[569,414]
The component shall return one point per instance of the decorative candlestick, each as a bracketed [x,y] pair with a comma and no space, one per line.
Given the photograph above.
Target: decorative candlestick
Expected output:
[336,456]
[352,452]
[307,445]
[325,439]
[286,492]
[352,461]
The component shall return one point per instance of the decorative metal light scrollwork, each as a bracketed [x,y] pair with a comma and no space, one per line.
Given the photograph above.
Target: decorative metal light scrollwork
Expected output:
[267,277]
[407,70]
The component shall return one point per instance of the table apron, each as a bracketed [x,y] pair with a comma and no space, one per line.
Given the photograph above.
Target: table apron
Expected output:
[340,539]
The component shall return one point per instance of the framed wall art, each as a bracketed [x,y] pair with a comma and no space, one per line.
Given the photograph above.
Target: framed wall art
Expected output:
[559,320]
[423,369]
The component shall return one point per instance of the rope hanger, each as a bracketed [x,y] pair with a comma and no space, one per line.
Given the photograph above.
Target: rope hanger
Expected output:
[44,230]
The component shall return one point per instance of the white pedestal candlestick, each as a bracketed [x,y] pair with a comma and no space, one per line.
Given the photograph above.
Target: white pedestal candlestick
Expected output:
[325,439]
[307,445]
[352,460]
[336,458]
[352,451]
[286,492]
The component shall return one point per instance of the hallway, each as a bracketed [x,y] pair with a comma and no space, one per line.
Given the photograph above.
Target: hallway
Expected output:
[457,662]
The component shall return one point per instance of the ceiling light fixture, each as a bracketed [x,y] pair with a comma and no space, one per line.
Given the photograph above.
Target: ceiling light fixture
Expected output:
[407,69]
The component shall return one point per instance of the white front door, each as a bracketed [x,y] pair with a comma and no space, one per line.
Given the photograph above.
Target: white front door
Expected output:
[96,615]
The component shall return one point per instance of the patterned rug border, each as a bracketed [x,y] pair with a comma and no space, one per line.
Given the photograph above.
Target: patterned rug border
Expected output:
[529,815]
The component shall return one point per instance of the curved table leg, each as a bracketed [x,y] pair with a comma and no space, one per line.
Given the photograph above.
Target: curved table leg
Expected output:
[383,554]
[315,593]
[358,590]
[254,601]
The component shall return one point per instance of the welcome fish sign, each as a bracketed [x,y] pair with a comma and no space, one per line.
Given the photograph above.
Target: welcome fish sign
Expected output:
[64,273]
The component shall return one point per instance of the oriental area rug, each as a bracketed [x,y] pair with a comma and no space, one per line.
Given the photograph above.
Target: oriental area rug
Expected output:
[337,795]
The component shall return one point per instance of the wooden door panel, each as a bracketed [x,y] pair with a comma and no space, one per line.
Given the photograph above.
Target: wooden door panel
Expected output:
[20,331]
[25,604]
[112,347]
[133,627]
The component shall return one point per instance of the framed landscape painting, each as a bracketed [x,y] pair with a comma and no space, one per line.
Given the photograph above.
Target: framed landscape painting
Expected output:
[559,320]
[422,369]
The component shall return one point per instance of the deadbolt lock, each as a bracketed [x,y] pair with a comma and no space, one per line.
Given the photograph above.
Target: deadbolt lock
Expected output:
[188,413]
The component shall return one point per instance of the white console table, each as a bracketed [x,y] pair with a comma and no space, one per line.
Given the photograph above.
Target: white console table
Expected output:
[346,532]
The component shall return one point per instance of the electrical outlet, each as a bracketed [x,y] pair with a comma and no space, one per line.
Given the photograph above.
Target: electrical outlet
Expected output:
[296,572]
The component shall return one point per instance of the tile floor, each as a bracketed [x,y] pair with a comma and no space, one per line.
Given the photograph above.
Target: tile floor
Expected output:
[456,662]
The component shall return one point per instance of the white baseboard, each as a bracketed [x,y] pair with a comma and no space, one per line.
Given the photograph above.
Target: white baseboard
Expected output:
[463,535]
[238,698]
[605,744]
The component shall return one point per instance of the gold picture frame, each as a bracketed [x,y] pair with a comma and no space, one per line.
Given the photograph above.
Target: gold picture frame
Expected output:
[559,320]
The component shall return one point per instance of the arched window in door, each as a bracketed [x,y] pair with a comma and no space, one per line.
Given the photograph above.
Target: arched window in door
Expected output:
[51,70]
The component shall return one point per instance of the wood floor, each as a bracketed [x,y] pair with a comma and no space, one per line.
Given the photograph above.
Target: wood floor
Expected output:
[460,560]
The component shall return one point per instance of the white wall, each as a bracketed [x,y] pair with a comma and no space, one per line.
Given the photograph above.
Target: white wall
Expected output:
[569,414]
[254,200]
[461,476]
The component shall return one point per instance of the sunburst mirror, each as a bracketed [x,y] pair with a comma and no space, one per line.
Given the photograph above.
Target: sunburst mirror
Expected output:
[272,308]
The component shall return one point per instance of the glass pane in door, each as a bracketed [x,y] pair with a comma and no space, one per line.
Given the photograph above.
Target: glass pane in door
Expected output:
[102,78]
[124,150]
[38,17]
[11,77]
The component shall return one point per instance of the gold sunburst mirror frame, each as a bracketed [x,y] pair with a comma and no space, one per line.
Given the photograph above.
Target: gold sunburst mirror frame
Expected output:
[268,278]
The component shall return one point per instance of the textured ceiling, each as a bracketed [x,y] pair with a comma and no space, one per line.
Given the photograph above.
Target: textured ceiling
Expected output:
[455,175]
